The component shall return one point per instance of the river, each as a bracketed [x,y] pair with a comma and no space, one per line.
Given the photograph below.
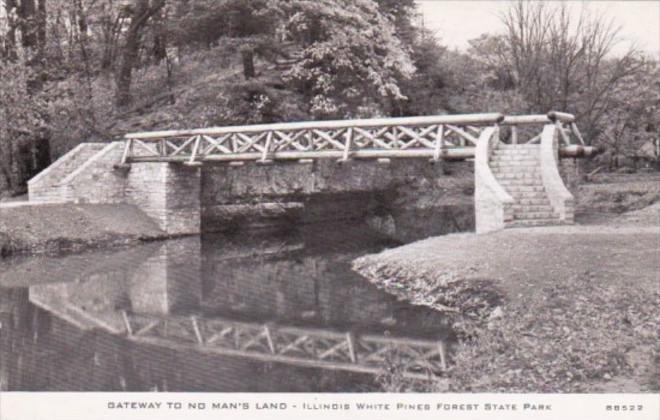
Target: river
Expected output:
[248,312]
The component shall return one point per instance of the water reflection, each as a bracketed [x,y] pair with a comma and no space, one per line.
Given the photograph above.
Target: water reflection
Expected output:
[252,313]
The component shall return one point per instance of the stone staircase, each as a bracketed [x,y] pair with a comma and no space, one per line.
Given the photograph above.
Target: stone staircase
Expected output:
[517,168]
[46,186]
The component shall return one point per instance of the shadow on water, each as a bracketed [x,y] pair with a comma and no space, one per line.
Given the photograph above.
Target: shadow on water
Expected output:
[250,312]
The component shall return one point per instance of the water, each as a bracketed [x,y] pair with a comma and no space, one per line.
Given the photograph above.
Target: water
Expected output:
[251,312]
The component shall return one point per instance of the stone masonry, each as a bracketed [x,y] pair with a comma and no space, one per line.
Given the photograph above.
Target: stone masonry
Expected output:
[522,184]
[517,169]
[168,193]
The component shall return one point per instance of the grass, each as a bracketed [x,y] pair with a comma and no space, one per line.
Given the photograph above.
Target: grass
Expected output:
[555,309]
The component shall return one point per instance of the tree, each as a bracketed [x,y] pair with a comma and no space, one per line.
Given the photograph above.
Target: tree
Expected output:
[140,12]
[559,61]
[21,123]
[351,60]
[633,117]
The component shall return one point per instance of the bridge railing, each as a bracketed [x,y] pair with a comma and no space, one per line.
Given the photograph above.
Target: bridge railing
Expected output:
[527,129]
[433,137]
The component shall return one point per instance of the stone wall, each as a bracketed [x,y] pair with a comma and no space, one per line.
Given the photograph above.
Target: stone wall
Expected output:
[45,187]
[388,193]
[168,193]
[95,180]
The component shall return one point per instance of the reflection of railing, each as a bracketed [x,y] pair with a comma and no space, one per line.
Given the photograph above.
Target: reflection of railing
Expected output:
[434,137]
[312,347]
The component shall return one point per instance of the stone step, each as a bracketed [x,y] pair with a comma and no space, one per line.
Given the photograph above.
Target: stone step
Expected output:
[535,215]
[517,146]
[524,209]
[514,153]
[524,146]
[514,162]
[516,158]
[507,160]
[533,201]
[527,194]
[517,175]
[535,222]
[522,170]
[525,188]
[524,182]
[508,168]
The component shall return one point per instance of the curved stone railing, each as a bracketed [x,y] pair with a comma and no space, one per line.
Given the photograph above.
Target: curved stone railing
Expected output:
[493,205]
[561,199]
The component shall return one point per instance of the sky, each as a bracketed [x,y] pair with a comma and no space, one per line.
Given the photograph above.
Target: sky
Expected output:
[456,22]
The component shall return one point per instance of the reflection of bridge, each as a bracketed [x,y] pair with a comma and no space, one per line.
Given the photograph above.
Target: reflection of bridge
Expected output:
[302,346]
[146,302]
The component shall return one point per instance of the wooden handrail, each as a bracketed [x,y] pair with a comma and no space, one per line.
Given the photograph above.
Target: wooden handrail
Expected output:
[561,116]
[435,137]
[464,119]
[526,119]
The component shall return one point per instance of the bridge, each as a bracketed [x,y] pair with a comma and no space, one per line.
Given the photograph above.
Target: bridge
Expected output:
[434,137]
[520,162]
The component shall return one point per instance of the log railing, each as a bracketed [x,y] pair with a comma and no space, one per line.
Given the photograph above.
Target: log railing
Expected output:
[432,137]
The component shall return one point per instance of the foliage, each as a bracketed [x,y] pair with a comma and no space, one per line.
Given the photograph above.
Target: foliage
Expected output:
[351,60]
[633,116]
[556,59]
[22,118]
[97,67]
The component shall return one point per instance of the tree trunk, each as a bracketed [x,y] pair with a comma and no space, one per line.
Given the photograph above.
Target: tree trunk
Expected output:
[10,42]
[141,14]
[27,13]
[248,63]
[41,27]
[125,76]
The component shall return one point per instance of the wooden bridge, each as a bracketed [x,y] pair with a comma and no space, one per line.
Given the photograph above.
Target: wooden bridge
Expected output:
[169,189]
[432,137]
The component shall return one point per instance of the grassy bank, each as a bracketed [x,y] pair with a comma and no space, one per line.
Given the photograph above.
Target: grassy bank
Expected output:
[554,309]
[64,228]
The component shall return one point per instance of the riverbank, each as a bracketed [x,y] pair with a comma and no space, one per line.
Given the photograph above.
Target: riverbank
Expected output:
[28,228]
[548,309]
